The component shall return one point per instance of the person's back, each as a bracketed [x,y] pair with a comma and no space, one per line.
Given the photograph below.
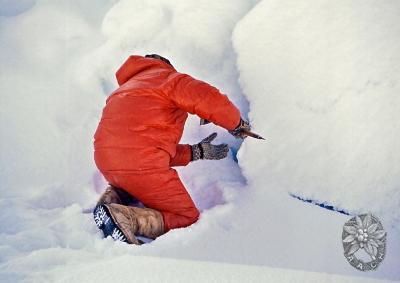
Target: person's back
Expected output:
[140,125]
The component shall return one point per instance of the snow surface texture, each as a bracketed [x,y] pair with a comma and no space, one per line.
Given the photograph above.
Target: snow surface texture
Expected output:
[321,80]
[326,77]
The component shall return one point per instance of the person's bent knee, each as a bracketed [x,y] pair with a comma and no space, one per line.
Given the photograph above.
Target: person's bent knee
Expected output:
[173,221]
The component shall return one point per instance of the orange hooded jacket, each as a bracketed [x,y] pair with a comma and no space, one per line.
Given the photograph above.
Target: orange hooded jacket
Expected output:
[143,119]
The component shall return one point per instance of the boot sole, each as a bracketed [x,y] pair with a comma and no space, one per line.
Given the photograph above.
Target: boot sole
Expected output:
[104,222]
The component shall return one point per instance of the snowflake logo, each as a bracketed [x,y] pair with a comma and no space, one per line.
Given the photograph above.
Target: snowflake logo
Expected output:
[117,235]
[364,232]
[100,216]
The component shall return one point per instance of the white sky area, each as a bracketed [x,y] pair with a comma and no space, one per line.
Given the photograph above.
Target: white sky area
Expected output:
[319,79]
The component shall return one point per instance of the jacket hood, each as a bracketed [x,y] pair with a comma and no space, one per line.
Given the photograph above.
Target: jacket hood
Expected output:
[136,64]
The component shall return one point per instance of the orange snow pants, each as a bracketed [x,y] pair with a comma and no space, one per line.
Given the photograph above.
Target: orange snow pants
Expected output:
[162,190]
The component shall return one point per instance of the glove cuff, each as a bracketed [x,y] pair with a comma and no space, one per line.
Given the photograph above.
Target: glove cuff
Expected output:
[197,152]
[243,124]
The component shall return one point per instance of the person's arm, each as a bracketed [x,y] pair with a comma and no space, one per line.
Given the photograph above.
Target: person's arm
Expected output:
[204,100]
[183,155]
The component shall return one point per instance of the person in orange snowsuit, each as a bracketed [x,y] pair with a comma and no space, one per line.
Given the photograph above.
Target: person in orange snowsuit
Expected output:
[137,142]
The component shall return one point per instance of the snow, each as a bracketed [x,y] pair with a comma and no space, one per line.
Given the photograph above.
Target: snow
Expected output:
[317,79]
[193,271]
[328,93]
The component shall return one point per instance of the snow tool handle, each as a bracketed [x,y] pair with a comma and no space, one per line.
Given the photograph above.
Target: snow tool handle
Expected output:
[247,133]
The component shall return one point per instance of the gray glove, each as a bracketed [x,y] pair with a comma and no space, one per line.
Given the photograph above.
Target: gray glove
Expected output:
[238,131]
[206,150]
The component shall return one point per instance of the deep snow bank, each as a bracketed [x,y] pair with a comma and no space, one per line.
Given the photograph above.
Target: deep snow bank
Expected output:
[323,80]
